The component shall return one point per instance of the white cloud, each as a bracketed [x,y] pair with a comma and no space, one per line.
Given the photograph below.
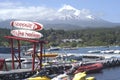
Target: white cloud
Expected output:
[26,13]
[9,10]
[9,4]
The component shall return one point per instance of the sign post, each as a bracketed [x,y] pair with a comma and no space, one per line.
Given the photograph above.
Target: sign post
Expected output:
[26,31]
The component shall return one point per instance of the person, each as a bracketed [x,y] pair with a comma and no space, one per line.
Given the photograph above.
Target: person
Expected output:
[72,69]
[80,63]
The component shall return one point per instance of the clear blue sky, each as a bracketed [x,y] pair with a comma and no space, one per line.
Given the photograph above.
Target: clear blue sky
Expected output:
[105,9]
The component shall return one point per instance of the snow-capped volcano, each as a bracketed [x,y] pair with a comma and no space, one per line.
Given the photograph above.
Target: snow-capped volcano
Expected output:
[68,12]
[67,17]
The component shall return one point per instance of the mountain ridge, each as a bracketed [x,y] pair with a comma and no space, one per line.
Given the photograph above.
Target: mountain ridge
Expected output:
[68,18]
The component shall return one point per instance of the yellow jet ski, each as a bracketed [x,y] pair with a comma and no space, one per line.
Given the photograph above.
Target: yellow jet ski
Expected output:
[42,75]
[82,76]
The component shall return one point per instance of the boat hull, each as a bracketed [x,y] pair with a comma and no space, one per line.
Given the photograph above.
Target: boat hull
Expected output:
[2,61]
[91,68]
[48,55]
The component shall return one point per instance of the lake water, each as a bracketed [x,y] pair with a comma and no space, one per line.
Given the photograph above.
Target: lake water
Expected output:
[106,74]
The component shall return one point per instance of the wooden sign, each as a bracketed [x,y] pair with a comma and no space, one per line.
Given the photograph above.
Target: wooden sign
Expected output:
[26,34]
[27,25]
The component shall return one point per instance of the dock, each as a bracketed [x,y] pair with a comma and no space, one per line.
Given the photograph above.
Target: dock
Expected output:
[100,55]
[110,60]
[17,74]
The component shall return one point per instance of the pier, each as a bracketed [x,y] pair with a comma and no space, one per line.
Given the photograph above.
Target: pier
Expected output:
[110,60]
[100,55]
[17,74]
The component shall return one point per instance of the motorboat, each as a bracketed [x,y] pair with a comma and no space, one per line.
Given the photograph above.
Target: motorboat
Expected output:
[117,51]
[89,68]
[54,48]
[28,61]
[48,54]
[94,51]
[15,60]
[107,51]
[70,48]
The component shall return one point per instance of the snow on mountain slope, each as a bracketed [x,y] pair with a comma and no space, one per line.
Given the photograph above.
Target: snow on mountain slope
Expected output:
[66,17]
[68,12]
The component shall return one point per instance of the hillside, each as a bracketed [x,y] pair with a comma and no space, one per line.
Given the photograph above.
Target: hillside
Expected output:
[89,37]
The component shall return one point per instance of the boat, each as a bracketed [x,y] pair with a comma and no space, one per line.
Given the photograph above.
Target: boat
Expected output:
[15,60]
[82,76]
[107,51]
[70,48]
[89,68]
[7,50]
[64,76]
[2,61]
[94,51]
[61,77]
[39,78]
[28,61]
[41,75]
[48,54]
[54,48]
[117,51]
[30,51]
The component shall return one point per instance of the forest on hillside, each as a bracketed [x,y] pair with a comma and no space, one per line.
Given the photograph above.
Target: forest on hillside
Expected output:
[89,37]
